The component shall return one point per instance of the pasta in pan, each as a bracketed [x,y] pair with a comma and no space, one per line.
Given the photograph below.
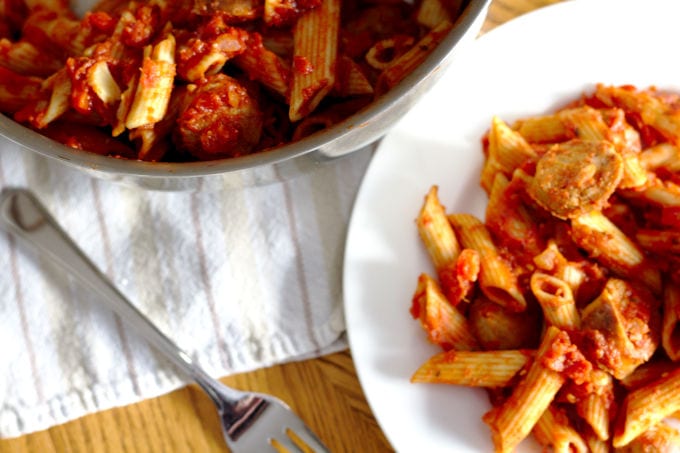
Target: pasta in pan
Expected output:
[571,313]
[182,80]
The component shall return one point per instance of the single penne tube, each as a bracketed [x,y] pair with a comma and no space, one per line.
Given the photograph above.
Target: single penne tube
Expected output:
[491,170]
[661,437]
[127,97]
[152,141]
[646,406]
[61,88]
[556,434]
[443,323]
[473,368]
[665,155]
[610,246]
[386,51]
[507,149]
[155,85]
[670,321]
[552,261]
[586,122]
[595,411]
[595,408]
[496,278]
[666,194]
[315,37]
[350,80]
[544,129]
[212,57]
[497,328]
[555,297]
[634,174]
[100,79]
[263,65]
[437,233]
[406,63]
[513,420]
[646,373]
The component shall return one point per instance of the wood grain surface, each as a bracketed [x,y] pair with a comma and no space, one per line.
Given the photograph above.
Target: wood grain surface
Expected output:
[323,391]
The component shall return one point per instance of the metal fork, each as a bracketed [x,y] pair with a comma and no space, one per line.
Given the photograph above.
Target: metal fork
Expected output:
[251,422]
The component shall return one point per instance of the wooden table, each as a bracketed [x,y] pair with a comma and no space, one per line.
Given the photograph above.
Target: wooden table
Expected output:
[324,391]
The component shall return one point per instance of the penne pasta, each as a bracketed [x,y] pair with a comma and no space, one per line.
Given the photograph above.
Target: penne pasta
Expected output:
[155,84]
[552,261]
[586,122]
[582,221]
[663,155]
[652,110]
[646,406]
[607,244]
[595,408]
[386,52]
[555,297]
[659,438]
[473,368]
[555,433]
[207,51]
[511,422]
[595,444]
[265,66]
[351,80]
[101,81]
[406,63]
[659,241]
[506,151]
[126,58]
[497,328]
[316,45]
[59,85]
[436,231]
[544,129]
[445,326]
[496,278]
[439,239]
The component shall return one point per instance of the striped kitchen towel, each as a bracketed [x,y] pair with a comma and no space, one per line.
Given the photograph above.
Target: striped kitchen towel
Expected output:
[239,279]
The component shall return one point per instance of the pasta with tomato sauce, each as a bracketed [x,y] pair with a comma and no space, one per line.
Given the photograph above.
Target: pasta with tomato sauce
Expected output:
[582,222]
[183,80]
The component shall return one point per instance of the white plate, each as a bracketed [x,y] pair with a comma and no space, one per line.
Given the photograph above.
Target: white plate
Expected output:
[527,66]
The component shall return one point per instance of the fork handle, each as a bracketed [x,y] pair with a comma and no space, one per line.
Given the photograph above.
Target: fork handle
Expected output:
[23,215]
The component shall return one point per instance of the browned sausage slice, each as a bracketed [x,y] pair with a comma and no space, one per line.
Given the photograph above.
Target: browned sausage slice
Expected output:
[575,177]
